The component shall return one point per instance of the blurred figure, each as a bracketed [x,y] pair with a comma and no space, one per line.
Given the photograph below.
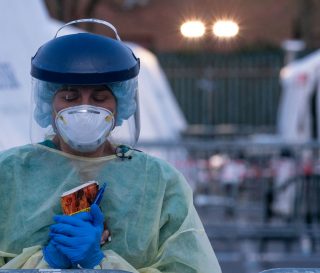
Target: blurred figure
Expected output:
[284,168]
[231,176]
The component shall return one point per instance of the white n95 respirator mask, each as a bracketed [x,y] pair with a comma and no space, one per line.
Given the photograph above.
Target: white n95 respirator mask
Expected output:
[85,127]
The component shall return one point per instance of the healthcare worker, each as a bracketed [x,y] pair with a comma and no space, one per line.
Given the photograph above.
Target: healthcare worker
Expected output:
[86,104]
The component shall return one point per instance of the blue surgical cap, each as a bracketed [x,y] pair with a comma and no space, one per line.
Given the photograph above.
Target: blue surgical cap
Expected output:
[124,92]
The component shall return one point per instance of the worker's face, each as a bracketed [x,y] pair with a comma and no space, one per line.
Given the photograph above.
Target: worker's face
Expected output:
[74,95]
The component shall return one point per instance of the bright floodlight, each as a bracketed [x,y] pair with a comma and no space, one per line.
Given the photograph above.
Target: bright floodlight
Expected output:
[192,29]
[225,28]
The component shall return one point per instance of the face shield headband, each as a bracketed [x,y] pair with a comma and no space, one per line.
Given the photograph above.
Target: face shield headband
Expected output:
[119,74]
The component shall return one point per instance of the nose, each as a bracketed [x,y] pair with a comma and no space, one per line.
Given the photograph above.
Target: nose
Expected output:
[85,100]
[85,96]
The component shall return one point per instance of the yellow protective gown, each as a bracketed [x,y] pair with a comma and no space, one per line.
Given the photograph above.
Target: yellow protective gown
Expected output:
[147,205]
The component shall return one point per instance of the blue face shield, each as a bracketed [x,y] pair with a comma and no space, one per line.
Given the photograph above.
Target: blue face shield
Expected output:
[104,61]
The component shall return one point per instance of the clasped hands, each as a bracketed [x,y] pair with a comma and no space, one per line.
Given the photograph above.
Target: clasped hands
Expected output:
[75,240]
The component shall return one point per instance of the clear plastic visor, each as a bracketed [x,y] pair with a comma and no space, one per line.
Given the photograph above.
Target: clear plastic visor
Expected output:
[127,122]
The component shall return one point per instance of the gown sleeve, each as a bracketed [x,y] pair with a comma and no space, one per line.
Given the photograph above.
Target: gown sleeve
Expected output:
[183,244]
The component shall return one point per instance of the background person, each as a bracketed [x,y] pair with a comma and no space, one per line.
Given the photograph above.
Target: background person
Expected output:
[232,175]
[285,169]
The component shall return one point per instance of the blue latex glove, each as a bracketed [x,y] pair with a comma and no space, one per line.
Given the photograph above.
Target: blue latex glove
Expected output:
[55,258]
[78,237]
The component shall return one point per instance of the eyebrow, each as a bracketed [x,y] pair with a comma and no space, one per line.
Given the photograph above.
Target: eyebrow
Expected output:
[102,89]
[68,88]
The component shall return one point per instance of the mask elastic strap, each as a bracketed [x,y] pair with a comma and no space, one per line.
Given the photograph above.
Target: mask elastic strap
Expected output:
[90,20]
[58,116]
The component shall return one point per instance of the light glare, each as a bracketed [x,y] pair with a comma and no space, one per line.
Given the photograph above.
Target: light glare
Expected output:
[225,28]
[192,29]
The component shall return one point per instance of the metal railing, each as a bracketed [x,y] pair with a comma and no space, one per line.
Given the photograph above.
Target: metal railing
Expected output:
[247,207]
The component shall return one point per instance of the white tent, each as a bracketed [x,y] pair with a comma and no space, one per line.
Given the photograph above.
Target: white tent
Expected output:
[299,108]
[24,26]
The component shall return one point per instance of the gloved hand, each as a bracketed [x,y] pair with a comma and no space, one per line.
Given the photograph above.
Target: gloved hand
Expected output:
[55,258]
[78,237]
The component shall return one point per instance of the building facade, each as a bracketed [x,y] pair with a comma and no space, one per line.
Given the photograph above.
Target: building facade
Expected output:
[155,24]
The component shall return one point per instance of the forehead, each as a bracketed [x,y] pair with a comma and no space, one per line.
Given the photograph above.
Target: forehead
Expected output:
[83,88]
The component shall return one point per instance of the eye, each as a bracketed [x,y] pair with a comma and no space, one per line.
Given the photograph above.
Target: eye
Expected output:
[69,95]
[102,96]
